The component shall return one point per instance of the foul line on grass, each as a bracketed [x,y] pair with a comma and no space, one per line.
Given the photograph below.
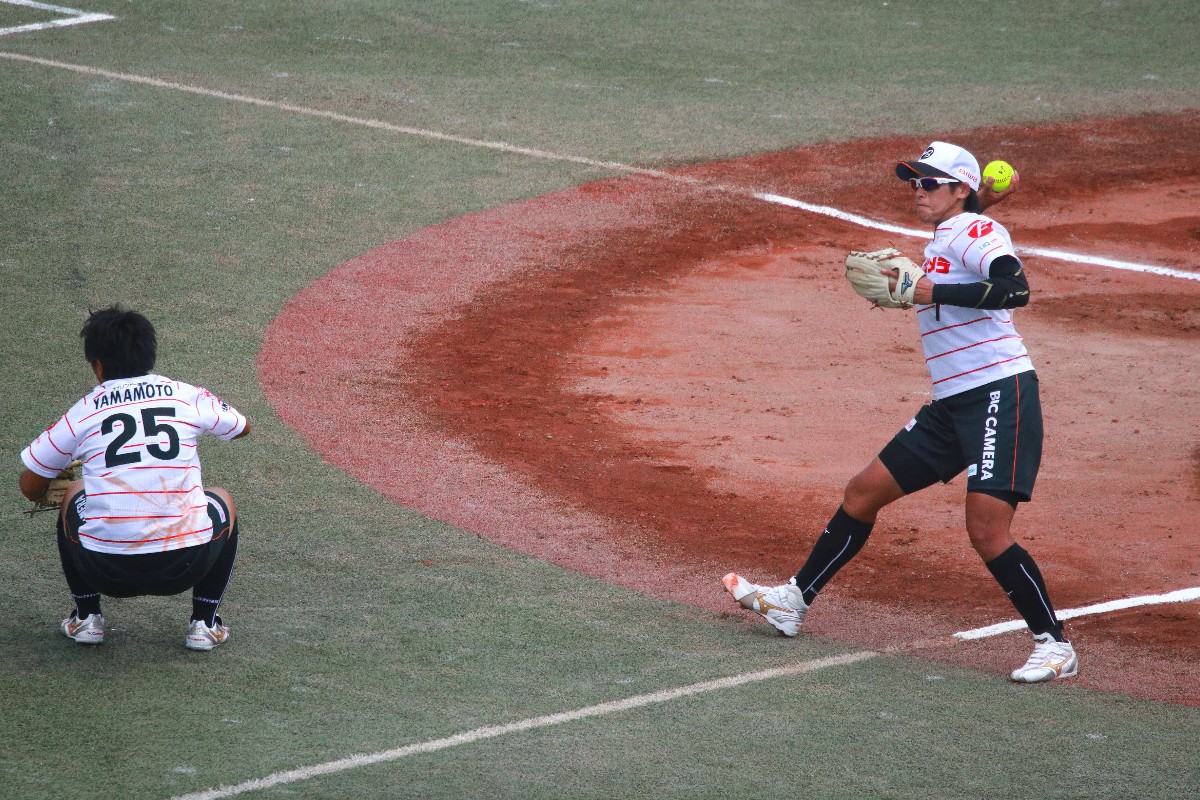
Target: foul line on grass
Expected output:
[639,701]
[1179,596]
[546,155]
[423,133]
[73,16]
[492,732]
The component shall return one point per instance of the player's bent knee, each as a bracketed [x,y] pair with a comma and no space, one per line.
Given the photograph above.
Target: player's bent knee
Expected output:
[869,491]
[990,543]
[989,524]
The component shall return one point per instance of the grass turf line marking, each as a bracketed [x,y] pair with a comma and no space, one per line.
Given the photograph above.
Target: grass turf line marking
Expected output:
[615,166]
[502,147]
[73,16]
[1060,255]
[492,732]
[1178,596]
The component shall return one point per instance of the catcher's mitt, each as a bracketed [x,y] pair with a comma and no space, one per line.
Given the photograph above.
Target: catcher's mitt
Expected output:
[57,488]
[865,273]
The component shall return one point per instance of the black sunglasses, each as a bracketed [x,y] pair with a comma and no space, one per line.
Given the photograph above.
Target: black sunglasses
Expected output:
[929,184]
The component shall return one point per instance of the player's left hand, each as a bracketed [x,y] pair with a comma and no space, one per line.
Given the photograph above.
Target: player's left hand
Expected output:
[922,293]
[56,487]
[989,197]
[885,277]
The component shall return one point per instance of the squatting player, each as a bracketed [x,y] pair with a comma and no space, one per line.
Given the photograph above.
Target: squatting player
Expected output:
[985,417]
[141,521]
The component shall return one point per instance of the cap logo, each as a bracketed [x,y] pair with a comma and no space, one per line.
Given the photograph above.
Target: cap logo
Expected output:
[927,153]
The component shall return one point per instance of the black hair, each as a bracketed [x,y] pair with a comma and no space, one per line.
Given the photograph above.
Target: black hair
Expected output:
[122,341]
[972,204]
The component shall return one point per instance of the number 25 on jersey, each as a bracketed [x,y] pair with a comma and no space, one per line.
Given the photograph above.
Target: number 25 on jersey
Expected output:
[152,428]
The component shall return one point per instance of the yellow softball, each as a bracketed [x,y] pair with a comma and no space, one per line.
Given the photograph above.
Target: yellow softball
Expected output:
[1000,172]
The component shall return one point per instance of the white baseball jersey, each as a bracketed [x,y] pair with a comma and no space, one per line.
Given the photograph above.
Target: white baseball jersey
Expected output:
[137,440]
[968,347]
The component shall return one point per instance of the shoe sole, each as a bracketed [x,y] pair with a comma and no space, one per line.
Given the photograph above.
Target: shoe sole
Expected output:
[87,642]
[786,629]
[205,643]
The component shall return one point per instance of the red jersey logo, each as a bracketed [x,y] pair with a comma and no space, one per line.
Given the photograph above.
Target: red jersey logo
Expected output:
[938,264]
[980,228]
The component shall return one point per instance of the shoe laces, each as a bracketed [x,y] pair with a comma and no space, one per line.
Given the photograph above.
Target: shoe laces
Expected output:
[1045,651]
[778,597]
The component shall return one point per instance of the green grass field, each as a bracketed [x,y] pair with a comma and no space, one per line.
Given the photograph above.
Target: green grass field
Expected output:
[360,627]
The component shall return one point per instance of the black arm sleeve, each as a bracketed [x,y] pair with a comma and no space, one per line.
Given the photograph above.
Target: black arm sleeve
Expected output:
[1006,287]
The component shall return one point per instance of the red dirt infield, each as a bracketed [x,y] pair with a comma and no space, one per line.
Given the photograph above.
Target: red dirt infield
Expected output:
[656,382]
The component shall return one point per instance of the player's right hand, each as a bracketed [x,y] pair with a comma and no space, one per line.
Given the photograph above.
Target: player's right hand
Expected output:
[989,197]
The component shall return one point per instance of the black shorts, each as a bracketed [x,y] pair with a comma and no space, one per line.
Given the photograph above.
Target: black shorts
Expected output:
[166,573]
[993,432]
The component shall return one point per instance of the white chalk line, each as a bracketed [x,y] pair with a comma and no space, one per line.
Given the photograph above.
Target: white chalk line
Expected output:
[652,698]
[334,116]
[546,155]
[639,701]
[73,17]
[492,732]
[1178,596]
[44,7]
[1060,255]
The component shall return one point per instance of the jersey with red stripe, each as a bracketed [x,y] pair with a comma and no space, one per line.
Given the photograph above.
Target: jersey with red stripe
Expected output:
[137,440]
[968,347]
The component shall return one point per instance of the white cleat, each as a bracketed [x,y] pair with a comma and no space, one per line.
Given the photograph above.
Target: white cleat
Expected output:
[1050,660]
[89,630]
[201,637]
[782,606]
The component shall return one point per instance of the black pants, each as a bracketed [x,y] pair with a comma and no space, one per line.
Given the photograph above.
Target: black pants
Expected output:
[204,568]
[994,432]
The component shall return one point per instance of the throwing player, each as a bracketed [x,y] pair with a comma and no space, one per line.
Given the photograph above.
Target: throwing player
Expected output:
[985,417]
[140,522]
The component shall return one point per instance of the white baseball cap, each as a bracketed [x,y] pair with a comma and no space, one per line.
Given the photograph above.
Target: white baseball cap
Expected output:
[942,160]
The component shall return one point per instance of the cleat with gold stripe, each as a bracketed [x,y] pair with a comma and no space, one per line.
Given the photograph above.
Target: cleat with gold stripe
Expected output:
[1050,661]
[782,606]
[89,630]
